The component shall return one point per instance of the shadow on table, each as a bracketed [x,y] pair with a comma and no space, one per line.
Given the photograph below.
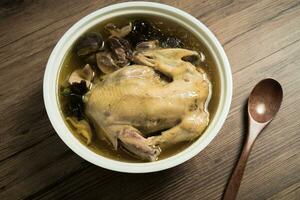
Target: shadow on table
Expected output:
[244,128]
[115,185]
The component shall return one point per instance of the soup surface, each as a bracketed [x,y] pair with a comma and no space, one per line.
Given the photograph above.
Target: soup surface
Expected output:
[168,29]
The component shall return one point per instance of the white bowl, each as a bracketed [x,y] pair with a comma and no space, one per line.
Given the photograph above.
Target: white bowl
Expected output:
[161,10]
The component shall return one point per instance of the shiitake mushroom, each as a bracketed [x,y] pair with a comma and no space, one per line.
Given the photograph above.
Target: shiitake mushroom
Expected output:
[120,50]
[89,43]
[106,63]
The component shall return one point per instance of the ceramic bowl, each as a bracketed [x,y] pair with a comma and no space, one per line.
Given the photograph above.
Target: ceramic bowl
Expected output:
[50,87]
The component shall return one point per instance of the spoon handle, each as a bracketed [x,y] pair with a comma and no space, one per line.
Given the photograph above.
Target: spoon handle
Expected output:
[237,175]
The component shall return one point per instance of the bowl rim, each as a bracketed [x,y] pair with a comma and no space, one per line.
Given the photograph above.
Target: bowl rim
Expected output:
[66,41]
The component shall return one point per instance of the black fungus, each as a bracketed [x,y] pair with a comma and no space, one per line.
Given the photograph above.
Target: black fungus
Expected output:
[78,88]
[144,31]
[171,42]
[141,26]
[74,99]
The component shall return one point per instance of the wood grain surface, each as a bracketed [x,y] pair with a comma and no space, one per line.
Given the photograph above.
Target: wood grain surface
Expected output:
[261,39]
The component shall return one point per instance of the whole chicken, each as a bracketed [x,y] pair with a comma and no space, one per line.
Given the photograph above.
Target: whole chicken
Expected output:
[130,106]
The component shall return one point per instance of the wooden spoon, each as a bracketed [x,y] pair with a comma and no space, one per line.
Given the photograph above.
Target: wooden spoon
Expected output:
[263,104]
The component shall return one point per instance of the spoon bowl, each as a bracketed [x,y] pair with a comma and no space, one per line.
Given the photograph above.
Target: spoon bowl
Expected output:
[265,100]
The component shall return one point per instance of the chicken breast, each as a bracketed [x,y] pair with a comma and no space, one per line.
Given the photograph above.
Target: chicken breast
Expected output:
[134,102]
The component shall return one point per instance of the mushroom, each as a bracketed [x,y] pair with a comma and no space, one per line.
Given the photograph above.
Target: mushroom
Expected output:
[82,128]
[89,43]
[119,54]
[147,45]
[106,63]
[120,50]
[91,59]
[85,74]
[118,32]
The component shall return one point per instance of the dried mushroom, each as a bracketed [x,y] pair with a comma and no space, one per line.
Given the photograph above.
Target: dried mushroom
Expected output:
[91,59]
[89,43]
[106,63]
[121,50]
[85,74]
[118,32]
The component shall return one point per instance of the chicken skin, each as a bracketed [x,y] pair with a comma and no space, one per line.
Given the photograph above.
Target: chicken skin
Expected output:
[137,108]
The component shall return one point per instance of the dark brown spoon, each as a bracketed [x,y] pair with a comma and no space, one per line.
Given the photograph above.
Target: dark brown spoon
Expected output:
[263,104]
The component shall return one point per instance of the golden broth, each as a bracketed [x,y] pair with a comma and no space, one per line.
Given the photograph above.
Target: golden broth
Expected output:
[72,62]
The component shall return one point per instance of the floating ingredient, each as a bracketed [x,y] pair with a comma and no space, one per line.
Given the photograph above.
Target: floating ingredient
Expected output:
[89,43]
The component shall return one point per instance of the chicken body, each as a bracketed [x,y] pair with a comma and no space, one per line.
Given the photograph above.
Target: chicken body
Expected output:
[134,102]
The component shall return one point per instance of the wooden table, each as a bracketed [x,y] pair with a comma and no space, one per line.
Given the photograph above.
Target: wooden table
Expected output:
[261,39]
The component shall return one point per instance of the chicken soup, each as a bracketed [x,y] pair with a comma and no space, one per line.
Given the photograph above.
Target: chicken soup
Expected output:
[138,89]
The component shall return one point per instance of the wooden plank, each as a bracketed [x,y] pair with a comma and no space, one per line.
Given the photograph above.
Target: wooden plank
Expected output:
[291,192]
[261,38]
[30,19]
[37,168]
[205,175]
[239,23]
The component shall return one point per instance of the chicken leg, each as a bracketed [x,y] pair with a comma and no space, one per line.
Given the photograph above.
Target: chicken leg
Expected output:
[132,140]
[188,129]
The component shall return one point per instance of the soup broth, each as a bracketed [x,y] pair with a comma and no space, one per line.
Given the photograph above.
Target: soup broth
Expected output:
[72,62]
